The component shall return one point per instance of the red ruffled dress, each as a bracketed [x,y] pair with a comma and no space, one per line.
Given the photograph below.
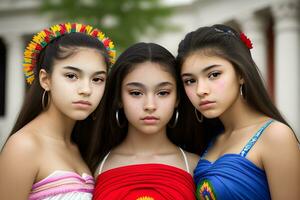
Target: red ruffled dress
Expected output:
[145,182]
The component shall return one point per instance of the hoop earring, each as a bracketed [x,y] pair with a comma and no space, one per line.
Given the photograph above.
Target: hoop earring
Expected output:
[198,119]
[241,90]
[176,119]
[43,100]
[118,121]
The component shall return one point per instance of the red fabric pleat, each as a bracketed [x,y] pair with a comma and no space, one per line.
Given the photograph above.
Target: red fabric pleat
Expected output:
[145,182]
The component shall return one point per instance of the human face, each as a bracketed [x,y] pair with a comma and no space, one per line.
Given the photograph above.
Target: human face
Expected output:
[77,83]
[211,83]
[148,98]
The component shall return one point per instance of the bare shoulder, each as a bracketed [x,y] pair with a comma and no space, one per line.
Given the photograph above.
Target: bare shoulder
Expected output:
[20,148]
[279,141]
[281,161]
[19,155]
[192,160]
[279,134]
[21,143]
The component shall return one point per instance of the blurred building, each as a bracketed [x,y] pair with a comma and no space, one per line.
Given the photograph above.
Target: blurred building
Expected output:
[272,25]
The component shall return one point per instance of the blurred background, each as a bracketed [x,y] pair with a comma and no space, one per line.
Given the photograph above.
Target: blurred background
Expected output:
[272,25]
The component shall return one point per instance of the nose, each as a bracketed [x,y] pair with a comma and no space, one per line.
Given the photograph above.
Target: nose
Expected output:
[150,104]
[85,88]
[202,89]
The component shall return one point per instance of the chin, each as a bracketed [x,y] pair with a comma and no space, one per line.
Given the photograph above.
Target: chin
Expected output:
[211,115]
[150,130]
[79,117]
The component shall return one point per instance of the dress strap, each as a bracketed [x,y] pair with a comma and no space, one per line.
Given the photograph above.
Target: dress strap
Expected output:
[185,160]
[102,163]
[253,140]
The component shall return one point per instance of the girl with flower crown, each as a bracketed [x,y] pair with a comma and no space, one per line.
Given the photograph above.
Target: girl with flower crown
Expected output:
[43,157]
[250,150]
[133,156]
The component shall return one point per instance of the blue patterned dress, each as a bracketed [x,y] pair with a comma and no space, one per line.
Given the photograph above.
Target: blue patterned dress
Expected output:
[232,176]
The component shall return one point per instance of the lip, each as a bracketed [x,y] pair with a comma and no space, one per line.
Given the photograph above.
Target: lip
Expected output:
[204,105]
[150,120]
[82,104]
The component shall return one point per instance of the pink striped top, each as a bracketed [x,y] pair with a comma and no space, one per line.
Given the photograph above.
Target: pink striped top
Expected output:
[63,185]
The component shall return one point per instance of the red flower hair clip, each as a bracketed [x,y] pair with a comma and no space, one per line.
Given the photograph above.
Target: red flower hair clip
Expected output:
[246,40]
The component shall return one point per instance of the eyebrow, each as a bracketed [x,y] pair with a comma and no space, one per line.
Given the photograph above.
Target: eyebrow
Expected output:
[140,85]
[203,70]
[80,71]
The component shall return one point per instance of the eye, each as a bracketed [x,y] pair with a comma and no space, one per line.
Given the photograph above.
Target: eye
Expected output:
[71,76]
[163,93]
[135,93]
[189,81]
[99,80]
[214,75]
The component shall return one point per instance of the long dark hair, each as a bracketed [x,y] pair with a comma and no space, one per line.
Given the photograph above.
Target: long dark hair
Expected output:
[109,134]
[59,49]
[225,42]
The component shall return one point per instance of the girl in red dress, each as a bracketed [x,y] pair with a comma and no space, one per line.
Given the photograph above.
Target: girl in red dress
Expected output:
[133,156]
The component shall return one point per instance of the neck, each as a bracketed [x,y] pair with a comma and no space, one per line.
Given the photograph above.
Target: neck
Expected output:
[240,115]
[56,125]
[146,143]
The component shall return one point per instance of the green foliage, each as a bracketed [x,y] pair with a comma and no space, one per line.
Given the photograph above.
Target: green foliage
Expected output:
[122,20]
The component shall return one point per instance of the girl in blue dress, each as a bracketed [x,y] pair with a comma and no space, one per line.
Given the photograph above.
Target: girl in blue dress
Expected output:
[250,150]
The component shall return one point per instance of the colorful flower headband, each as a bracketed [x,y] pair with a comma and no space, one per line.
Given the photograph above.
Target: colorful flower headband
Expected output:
[43,38]
[242,35]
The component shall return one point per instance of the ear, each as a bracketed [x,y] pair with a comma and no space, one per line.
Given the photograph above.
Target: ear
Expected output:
[241,80]
[44,80]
